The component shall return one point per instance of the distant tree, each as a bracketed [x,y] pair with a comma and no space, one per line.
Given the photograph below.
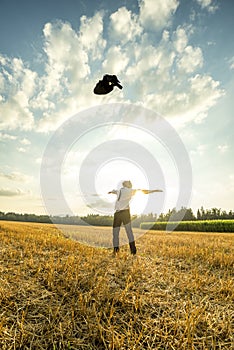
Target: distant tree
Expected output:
[189,216]
[198,215]
[185,214]
[11,216]
[203,215]
[214,214]
[161,218]
[224,215]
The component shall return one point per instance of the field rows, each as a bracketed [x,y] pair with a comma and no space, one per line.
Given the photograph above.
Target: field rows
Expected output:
[56,293]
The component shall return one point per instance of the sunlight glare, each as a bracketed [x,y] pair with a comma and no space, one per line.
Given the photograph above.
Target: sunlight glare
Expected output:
[111,175]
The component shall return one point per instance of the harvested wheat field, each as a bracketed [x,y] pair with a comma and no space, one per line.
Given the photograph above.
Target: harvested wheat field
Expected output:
[55,293]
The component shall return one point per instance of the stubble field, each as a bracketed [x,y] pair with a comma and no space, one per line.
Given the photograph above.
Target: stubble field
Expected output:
[56,293]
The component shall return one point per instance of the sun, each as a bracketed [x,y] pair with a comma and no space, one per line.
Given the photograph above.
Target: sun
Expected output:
[110,176]
[138,203]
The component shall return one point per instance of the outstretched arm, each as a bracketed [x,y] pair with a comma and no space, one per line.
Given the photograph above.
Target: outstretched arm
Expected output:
[112,192]
[150,191]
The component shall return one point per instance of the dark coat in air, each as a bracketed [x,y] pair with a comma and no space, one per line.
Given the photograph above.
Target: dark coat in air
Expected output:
[107,84]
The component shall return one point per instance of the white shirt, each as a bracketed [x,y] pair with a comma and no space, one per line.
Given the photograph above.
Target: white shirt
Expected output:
[124,195]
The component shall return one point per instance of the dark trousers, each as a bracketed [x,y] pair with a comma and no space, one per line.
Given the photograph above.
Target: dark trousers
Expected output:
[123,217]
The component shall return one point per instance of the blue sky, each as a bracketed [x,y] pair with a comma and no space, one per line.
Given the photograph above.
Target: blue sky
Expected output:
[175,58]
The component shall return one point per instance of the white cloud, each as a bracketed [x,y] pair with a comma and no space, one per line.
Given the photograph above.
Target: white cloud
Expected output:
[204,93]
[191,59]
[181,39]
[148,59]
[202,83]
[124,26]
[116,60]
[231,63]
[2,85]
[200,150]
[25,142]
[21,149]
[19,85]
[91,35]
[38,160]
[160,78]
[157,14]
[6,192]
[191,103]
[5,136]
[65,89]
[14,115]
[70,106]
[15,176]
[223,148]
[67,60]
[151,68]
[208,5]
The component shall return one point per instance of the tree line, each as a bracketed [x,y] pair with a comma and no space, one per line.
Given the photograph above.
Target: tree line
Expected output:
[106,220]
[201,214]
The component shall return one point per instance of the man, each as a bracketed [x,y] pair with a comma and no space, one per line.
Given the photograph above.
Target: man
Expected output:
[122,214]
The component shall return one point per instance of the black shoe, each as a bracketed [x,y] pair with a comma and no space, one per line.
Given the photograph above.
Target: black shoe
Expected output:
[132,248]
[116,250]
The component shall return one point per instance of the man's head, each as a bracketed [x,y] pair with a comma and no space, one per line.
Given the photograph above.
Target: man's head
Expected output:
[127,183]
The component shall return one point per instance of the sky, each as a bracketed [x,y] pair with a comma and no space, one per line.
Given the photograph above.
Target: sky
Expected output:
[175,60]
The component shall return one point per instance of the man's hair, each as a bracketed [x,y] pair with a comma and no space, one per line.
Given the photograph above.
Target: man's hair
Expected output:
[127,183]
